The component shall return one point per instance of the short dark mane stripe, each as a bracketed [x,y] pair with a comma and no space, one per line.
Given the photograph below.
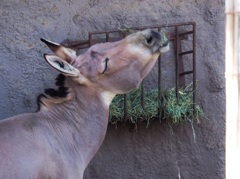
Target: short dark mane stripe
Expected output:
[61,92]
[60,80]
[39,101]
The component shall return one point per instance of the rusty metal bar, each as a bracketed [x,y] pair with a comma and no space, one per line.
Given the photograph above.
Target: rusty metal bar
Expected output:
[177,60]
[76,43]
[90,39]
[181,79]
[186,33]
[186,72]
[185,53]
[159,88]
[194,67]
[142,95]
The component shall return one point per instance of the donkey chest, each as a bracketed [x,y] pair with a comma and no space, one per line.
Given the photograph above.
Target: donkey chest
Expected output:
[58,166]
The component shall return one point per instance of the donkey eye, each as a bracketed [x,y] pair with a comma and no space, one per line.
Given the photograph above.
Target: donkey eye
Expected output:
[106,65]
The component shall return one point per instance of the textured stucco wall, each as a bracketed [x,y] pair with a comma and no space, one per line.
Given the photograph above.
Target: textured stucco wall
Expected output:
[156,152]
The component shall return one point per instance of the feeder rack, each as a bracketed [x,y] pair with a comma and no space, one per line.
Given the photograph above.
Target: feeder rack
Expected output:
[179,33]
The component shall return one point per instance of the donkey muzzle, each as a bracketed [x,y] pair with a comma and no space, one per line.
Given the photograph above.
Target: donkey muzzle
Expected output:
[158,41]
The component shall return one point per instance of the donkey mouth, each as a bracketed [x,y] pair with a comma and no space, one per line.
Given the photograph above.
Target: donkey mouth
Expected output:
[161,48]
[164,43]
[161,43]
[164,48]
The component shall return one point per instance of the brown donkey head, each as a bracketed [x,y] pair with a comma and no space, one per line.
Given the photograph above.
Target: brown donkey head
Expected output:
[116,67]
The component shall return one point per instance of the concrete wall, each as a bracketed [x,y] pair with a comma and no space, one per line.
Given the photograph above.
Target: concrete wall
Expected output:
[156,152]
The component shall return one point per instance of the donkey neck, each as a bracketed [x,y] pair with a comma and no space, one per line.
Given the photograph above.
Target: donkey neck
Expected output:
[83,121]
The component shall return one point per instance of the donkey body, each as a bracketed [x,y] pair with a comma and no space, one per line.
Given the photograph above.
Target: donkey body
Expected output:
[60,139]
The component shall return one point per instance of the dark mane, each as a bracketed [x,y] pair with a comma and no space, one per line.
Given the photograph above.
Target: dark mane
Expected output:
[53,95]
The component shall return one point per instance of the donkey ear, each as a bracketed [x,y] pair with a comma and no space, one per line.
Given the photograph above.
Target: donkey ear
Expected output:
[61,65]
[64,53]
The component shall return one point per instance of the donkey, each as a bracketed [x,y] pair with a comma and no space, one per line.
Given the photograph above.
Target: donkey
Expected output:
[59,140]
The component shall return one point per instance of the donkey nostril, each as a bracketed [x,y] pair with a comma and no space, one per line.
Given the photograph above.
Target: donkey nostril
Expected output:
[149,40]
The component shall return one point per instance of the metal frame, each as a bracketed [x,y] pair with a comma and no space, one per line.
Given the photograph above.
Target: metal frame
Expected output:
[177,37]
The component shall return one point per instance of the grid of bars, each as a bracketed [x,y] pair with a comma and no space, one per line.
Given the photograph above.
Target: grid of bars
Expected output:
[176,34]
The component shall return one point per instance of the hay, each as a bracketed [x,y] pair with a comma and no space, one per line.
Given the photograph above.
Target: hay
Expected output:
[173,110]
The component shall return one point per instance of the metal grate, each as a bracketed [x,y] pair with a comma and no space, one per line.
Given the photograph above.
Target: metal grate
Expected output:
[177,33]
